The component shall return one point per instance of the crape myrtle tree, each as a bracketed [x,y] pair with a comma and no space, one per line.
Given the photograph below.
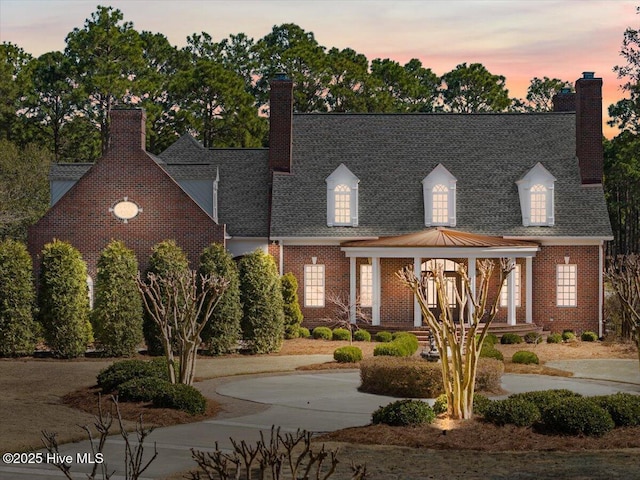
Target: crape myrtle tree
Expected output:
[117,312]
[261,298]
[17,298]
[63,300]
[291,305]
[222,333]
[458,344]
[181,303]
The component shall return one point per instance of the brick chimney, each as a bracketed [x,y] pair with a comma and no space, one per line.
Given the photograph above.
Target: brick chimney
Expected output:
[564,101]
[280,123]
[589,149]
[127,129]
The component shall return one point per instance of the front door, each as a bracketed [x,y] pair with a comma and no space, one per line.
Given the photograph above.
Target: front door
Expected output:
[453,285]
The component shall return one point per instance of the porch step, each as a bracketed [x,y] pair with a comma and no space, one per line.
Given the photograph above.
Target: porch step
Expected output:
[497,329]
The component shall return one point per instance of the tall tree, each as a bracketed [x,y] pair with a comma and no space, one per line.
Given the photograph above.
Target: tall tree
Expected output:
[347,89]
[106,55]
[473,88]
[13,61]
[541,91]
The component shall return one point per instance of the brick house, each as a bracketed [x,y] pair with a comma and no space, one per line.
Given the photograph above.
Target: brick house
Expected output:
[346,200]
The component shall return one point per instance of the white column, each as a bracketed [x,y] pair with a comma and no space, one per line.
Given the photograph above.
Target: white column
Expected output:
[529,289]
[511,296]
[352,289]
[471,272]
[601,289]
[375,307]
[417,313]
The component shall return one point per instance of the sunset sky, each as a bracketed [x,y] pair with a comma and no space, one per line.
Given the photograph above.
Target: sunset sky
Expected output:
[519,39]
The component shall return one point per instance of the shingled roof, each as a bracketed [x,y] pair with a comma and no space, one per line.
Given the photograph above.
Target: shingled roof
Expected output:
[391,154]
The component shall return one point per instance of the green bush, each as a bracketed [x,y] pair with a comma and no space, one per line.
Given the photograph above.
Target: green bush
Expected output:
[361,336]
[403,346]
[291,306]
[568,336]
[480,404]
[589,336]
[322,333]
[491,339]
[542,399]
[142,389]
[222,332]
[341,334]
[166,258]
[182,397]
[489,351]
[400,377]
[576,416]
[533,337]
[120,372]
[404,413]
[525,357]
[513,411]
[303,332]
[624,408]
[510,339]
[554,338]
[347,355]
[383,336]
[117,313]
[64,300]
[17,296]
[262,307]
[441,404]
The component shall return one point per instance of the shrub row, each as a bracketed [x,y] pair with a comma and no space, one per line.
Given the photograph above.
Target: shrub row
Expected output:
[403,344]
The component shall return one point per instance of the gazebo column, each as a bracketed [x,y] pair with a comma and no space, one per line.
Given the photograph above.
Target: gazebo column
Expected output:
[529,289]
[352,290]
[511,295]
[375,307]
[417,312]
[471,273]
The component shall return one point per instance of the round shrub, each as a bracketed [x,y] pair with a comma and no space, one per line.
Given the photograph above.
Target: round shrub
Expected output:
[403,346]
[181,397]
[589,336]
[361,336]
[554,338]
[120,372]
[491,339]
[624,408]
[322,333]
[400,377]
[341,334]
[142,389]
[525,357]
[303,332]
[404,413]
[347,354]
[480,403]
[576,416]
[568,336]
[489,351]
[542,398]
[533,337]
[513,411]
[383,336]
[441,404]
[510,339]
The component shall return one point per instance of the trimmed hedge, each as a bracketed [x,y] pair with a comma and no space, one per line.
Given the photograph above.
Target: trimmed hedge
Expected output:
[142,389]
[347,354]
[120,372]
[182,397]
[510,339]
[525,357]
[624,408]
[514,411]
[589,336]
[404,345]
[341,334]
[361,336]
[404,413]
[576,416]
[554,338]
[322,333]
[383,337]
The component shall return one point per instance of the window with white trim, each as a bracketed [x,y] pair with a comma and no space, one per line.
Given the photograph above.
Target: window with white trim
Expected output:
[504,291]
[366,285]
[342,198]
[90,291]
[566,285]
[439,191]
[538,205]
[314,285]
[536,190]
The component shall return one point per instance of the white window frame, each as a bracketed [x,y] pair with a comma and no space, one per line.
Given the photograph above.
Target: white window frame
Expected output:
[504,292]
[432,194]
[340,178]
[567,285]
[530,191]
[314,286]
[366,285]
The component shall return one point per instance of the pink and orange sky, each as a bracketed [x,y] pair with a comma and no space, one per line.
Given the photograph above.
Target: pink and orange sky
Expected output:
[519,39]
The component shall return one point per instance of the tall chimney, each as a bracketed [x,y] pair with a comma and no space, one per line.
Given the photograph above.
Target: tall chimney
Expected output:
[564,101]
[127,129]
[589,149]
[280,123]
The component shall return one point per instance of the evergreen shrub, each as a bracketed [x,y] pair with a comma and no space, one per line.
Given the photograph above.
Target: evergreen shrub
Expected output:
[441,404]
[513,411]
[110,378]
[568,336]
[510,339]
[341,334]
[589,336]
[576,416]
[322,333]
[347,354]
[525,357]
[404,413]
[624,408]
[402,346]
[554,338]
[361,336]
[142,389]
[291,306]
[181,397]
[480,403]
[383,337]
[489,351]
[303,332]
[400,377]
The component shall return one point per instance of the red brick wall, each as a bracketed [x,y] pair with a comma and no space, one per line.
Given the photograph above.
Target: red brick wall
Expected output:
[82,215]
[396,300]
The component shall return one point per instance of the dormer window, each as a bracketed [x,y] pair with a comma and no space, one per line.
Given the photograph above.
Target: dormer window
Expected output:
[536,190]
[342,198]
[439,190]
